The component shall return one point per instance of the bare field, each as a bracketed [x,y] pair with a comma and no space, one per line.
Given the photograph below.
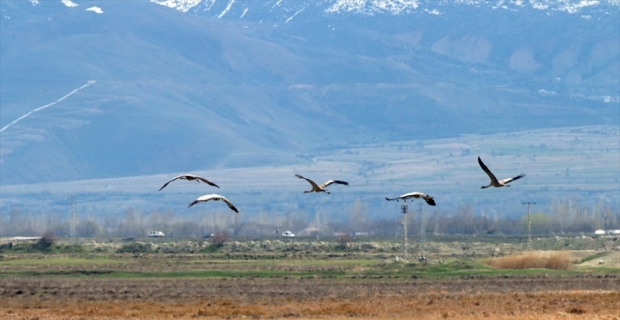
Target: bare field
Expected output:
[310,298]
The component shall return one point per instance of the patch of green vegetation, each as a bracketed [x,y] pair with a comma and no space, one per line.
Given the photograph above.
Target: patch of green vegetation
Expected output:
[41,247]
[229,274]
[176,274]
[211,249]
[62,261]
[136,247]
[449,268]
[458,267]
[199,266]
[594,256]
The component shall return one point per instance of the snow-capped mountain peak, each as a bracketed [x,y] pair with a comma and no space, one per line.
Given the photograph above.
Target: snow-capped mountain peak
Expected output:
[69,3]
[221,8]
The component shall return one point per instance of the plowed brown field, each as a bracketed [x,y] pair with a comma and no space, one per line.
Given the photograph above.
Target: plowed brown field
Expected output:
[511,297]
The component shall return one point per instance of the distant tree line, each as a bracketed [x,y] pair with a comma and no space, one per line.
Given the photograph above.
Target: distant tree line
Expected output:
[562,216]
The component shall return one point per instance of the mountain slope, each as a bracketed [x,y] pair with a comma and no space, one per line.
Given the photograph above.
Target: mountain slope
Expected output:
[248,83]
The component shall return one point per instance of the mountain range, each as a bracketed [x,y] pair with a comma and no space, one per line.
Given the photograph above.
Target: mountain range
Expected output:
[112,89]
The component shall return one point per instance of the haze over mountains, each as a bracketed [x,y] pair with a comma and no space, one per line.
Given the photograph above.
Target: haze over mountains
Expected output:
[182,86]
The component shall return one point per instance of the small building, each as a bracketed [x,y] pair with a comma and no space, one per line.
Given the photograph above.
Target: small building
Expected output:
[156,234]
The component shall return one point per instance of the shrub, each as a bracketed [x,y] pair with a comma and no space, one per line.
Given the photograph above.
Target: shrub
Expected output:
[45,243]
[219,238]
[136,247]
[343,239]
[559,260]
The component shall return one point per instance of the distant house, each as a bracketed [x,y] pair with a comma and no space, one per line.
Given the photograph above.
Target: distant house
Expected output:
[156,234]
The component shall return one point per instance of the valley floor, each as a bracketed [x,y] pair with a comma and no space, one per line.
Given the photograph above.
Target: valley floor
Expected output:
[304,280]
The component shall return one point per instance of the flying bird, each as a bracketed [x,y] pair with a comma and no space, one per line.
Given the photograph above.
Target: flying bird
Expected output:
[494,182]
[321,188]
[416,195]
[215,197]
[190,177]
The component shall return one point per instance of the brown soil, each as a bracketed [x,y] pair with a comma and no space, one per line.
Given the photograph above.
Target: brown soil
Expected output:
[511,297]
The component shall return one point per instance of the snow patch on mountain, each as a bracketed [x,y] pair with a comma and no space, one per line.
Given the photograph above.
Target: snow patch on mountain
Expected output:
[293,16]
[373,7]
[69,3]
[574,8]
[95,9]
[228,6]
[181,5]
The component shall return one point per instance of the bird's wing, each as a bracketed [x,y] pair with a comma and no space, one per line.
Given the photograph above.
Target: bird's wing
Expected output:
[314,185]
[216,197]
[388,199]
[206,181]
[513,178]
[204,198]
[175,178]
[334,181]
[230,205]
[429,200]
[411,195]
[193,203]
[487,170]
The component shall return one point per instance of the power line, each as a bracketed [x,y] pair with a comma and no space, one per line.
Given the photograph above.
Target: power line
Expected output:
[529,225]
[73,218]
[404,208]
[422,224]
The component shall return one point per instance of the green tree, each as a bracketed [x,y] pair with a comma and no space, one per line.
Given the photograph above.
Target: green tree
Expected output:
[541,224]
[87,229]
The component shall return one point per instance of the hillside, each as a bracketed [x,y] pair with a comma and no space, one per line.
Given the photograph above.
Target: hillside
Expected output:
[213,86]
[579,163]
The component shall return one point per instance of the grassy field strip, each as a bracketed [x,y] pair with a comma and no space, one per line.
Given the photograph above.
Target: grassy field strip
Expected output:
[276,269]
[65,261]
[302,262]
[379,275]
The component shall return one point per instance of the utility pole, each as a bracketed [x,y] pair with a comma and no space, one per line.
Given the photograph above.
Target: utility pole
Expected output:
[529,225]
[404,210]
[73,222]
[422,224]
[607,212]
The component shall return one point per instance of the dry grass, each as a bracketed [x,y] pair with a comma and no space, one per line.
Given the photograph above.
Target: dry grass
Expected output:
[557,260]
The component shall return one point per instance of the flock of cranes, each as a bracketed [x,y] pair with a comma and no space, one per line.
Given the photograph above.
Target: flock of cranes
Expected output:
[322,187]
